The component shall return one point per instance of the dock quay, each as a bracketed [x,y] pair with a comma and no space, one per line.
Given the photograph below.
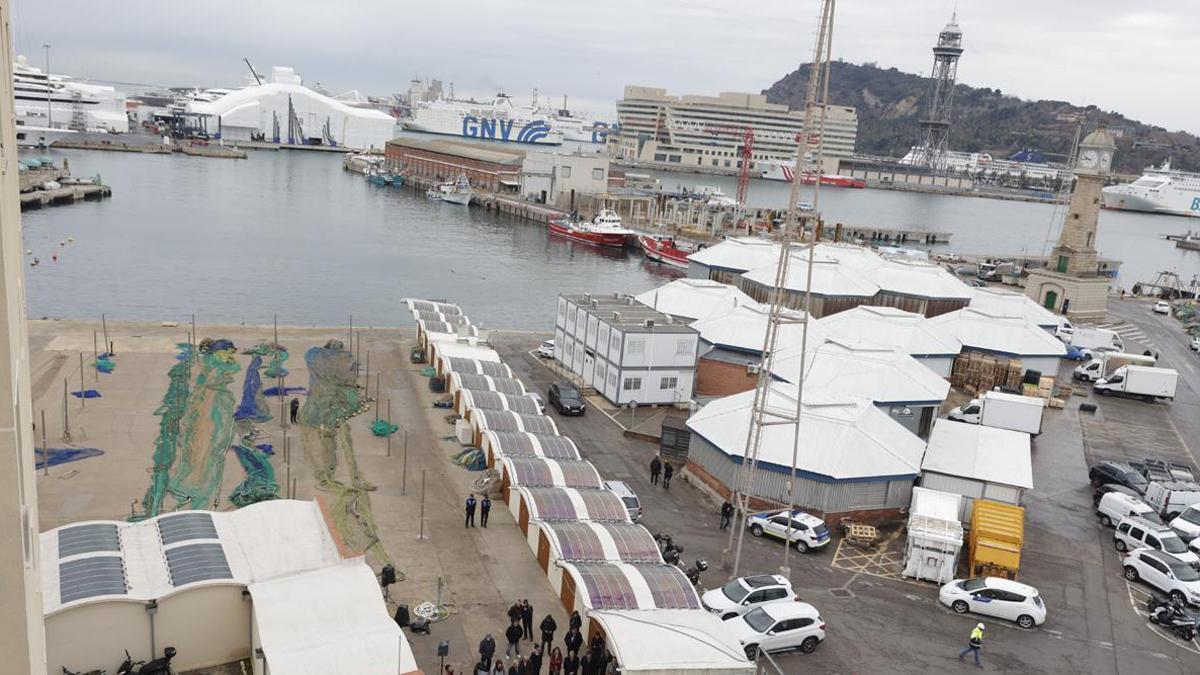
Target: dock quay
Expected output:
[66,194]
[151,145]
[35,176]
[267,145]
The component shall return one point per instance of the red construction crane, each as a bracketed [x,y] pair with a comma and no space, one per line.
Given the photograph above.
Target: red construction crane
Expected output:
[747,154]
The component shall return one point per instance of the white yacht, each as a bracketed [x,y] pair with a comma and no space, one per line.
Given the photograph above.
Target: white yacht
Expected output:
[460,194]
[31,135]
[1159,190]
[57,101]
[499,120]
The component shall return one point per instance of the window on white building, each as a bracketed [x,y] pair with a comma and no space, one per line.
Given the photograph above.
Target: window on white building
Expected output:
[616,342]
[612,378]
[597,174]
[668,383]
[565,172]
[683,347]
[632,384]
[637,347]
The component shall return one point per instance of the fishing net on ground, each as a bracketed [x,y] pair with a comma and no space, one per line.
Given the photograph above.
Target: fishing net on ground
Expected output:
[206,430]
[382,427]
[170,414]
[472,459]
[260,482]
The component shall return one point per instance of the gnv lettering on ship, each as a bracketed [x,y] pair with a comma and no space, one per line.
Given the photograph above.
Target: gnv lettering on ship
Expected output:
[1196,204]
[502,130]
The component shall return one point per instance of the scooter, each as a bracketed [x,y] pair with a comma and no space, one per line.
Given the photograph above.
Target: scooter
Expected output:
[1172,616]
[160,666]
[693,572]
[670,551]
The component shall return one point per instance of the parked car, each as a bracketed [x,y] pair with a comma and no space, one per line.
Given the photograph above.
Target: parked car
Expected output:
[1119,473]
[1101,490]
[777,627]
[1195,344]
[808,531]
[628,497]
[566,399]
[745,593]
[993,596]
[1162,307]
[1187,523]
[1075,353]
[1134,532]
[537,398]
[1116,506]
[1165,573]
[546,349]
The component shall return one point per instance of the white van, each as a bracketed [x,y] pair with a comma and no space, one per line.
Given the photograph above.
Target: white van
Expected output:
[628,497]
[1116,506]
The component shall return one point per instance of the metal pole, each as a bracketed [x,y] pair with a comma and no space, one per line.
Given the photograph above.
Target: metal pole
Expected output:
[193,326]
[376,395]
[287,460]
[104,325]
[82,398]
[275,324]
[357,349]
[351,345]
[367,378]
[422,534]
[404,467]
[389,429]
[66,415]
[96,355]
[282,404]
[293,488]
[45,447]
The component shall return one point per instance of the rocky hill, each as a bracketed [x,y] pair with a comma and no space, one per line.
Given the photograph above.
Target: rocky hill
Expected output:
[891,102]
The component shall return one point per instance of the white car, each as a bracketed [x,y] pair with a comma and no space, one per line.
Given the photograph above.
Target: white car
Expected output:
[745,593]
[1135,532]
[1187,523]
[1176,579]
[996,597]
[1195,344]
[1115,506]
[1162,307]
[808,531]
[546,349]
[777,627]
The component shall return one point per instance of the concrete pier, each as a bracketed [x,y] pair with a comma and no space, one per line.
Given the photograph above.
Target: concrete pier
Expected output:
[67,194]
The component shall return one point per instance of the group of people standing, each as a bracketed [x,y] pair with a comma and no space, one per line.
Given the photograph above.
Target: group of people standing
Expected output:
[573,660]
[485,508]
[657,466]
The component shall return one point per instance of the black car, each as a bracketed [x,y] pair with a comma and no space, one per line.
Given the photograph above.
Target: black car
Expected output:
[1119,473]
[566,399]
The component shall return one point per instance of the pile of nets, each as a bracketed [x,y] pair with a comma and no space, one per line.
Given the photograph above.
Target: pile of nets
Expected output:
[472,459]
[86,393]
[260,484]
[428,371]
[382,428]
[104,363]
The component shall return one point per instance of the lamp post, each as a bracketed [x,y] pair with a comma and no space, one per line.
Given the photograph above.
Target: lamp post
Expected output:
[49,114]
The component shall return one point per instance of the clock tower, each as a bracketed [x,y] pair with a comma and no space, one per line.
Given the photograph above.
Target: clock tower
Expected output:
[1069,283]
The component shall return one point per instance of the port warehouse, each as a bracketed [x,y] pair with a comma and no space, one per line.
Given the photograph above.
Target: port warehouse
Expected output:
[706,132]
[595,559]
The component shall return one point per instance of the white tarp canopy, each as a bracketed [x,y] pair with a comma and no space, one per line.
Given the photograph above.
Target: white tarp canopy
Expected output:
[997,333]
[882,374]
[889,326]
[672,642]
[695,299]
[977,452]
[738,254]
[1006,303]
[745,328]
[331,620]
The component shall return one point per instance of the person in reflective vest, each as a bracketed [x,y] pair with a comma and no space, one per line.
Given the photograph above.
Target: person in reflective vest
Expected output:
[974,645]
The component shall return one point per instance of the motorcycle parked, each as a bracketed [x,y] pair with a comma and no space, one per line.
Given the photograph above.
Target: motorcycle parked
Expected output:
[670,550]
[693,572]
[1172,616]
[159,666]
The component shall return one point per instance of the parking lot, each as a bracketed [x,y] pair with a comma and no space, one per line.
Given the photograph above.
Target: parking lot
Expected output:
[881,622]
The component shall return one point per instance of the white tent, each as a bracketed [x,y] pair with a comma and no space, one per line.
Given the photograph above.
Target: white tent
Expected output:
[671,642]
[695,299]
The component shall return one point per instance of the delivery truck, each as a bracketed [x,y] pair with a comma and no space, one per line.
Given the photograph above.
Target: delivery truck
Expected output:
[1105,363]
[1003,411]
[1097,340]
[1146,382]
[1170,497]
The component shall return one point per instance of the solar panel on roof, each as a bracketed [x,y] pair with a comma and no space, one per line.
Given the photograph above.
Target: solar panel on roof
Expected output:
[197,562]
[552,504]
[531,472]
[604,505]
[184,526]
[504,385]
[634,542]
[671,590]
[558,447]
[538,424]
[88,539]
[90,577]
[500,420]
[580,474]
[607,586]
[577,541]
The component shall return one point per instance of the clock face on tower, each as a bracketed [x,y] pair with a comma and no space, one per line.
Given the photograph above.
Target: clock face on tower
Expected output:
[1105,160]
[1089,159]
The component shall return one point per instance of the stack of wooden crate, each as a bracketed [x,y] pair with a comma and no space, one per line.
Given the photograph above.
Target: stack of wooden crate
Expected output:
[977,372]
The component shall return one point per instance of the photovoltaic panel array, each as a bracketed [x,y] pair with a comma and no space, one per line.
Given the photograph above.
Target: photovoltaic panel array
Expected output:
[438,327]
[197,562]
[531,472]
[552,504]
[580,474]
[577,541]
[538,424]
[607,586]
[459,364]
[90,577]
[634,542]
[670,588]
[500,420]
[604,505]
[440,307]
[558,447]
[184,526]
[493,400]
[88,539]
[504,385]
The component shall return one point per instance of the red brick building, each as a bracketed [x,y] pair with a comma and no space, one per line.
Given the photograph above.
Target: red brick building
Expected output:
[490,169]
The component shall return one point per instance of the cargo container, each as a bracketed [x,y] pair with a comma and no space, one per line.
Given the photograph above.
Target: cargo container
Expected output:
[997,534]
[1003,411]
[1140,381]
[1097,339]
[1105,363]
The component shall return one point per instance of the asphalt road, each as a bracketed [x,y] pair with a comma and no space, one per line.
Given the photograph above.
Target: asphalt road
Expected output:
[879,623]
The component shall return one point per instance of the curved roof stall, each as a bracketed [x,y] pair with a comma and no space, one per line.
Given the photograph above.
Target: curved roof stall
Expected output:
[1000,335]
[497,444]
[727,260]
[536,472]
[474,366]
[895,328]
[430,331]
[555,503]
[695,299]
[671,642]
[505,385]
[439,317]
[507,420]
[417,305]
[486,399]
[466,349]
[836,286]
[596,586]
[585,541]
[918,287]
[99,576]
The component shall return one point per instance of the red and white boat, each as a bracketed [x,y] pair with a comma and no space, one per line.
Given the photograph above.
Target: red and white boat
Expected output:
[786,172]
[664,249]
[603,230]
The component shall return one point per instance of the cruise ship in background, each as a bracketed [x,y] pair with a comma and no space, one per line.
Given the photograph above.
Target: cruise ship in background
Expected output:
[499,120]
[59,102]
[1159,190]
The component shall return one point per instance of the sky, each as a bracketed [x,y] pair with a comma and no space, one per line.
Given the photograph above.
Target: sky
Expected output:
[1139,59]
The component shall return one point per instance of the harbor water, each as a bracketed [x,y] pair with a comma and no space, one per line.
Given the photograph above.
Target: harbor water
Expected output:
[292,234]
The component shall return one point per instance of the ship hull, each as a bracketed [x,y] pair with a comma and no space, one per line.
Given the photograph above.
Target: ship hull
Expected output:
[606,239]
[662,251]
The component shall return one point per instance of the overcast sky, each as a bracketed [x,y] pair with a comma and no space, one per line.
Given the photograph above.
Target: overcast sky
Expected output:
[1139,58]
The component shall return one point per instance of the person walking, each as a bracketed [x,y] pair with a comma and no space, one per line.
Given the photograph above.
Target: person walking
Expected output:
[576,622]
[571,664]
[548,626]
[513,635]
[974,644]
[527,619]
[487,649]
[574,639]
[535,661]
[556,661]
[295,408]
[668,471]
[726,514]
[485,507]
[655,469]
[470,522]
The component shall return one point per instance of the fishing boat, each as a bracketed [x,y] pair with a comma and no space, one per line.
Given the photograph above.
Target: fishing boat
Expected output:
[785,171]
[460,192]
[664,249]
[603,230]
[377,177]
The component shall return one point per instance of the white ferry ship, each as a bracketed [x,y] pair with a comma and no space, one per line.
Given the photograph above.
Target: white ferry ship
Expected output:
[499,120]
[1159,190]
[58,102]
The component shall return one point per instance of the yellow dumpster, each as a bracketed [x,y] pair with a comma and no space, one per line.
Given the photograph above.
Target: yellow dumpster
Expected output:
[997,534]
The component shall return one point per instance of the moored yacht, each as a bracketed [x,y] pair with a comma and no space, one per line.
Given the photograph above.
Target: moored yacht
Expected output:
[1159,190]
[605,229]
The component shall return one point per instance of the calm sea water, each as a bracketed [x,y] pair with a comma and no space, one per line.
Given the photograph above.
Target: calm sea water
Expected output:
[292,234]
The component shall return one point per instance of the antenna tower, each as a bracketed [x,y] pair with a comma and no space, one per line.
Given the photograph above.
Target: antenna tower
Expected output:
[935,127]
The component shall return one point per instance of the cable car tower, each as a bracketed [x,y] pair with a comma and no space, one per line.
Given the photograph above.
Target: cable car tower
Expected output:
[769,408]
[935,126]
